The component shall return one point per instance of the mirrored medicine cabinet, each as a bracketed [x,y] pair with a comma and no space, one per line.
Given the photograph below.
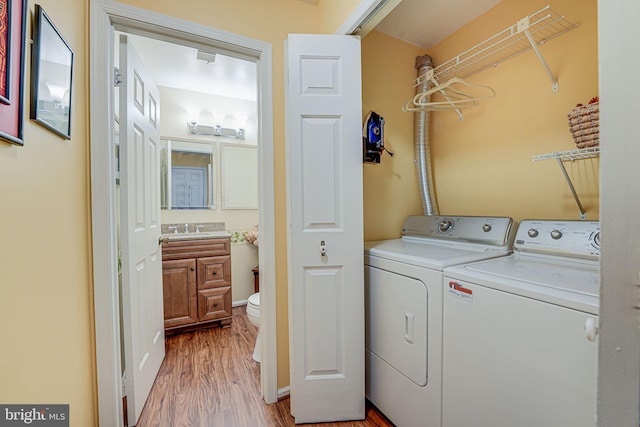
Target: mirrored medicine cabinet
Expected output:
[187,174]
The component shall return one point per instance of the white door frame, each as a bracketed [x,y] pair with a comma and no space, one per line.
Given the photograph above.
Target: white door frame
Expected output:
[104,15]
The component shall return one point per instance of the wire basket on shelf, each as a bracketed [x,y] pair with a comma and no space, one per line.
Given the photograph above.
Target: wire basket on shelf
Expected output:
[584,124]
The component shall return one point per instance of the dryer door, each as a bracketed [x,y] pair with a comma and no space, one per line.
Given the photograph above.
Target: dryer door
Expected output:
[396,321]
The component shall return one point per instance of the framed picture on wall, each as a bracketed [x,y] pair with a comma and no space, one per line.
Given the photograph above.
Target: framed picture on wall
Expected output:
[51,76]
[13,17]
[5,50]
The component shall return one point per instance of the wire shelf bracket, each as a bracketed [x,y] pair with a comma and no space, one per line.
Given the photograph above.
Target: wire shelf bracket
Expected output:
[528,33]
[572,155]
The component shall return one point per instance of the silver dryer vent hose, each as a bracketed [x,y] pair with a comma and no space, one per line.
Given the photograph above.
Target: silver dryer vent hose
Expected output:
[422,121]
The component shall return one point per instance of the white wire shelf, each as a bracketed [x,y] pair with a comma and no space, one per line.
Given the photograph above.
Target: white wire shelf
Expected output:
[529,32]
[563,156]
[579,154]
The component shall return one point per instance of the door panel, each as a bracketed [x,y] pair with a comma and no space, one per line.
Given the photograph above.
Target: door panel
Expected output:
[326,290]
[142,293]
[319,157]
[323,307]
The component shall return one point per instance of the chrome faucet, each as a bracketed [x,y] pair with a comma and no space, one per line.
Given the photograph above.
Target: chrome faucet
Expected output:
[198,227]
[174,228]
[186,229]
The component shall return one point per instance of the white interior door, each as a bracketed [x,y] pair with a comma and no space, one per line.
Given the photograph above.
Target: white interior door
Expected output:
[326,285]
[140,230]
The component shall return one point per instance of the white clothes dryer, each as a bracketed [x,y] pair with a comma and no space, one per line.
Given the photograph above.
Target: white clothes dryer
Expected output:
[520,332]
[403,309]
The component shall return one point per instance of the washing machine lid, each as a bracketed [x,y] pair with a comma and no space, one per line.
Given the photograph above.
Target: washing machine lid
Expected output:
[431,253]
[562,281]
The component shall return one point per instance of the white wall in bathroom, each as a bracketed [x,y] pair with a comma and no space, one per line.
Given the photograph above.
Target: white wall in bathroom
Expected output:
[244,258]
[177,107]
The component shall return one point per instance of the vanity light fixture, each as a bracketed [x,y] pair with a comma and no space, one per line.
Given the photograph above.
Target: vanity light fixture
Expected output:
[195,129]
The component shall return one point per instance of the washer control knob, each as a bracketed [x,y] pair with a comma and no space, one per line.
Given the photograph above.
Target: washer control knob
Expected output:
[486,228]
[556,234]
[532,232]
[445,225]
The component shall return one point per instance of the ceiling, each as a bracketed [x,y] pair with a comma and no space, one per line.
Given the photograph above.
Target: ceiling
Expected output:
[176,66]
[422,23]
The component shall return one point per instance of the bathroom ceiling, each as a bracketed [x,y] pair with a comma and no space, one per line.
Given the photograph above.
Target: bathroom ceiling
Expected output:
[422,23]
[176,66]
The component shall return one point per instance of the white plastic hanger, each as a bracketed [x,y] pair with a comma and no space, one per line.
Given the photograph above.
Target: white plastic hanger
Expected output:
[454,97]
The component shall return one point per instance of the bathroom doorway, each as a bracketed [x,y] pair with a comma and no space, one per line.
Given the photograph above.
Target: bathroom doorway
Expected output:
[206,155]
[107,17]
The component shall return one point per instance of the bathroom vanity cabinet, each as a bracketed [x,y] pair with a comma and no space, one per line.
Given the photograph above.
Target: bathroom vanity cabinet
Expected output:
[196,281]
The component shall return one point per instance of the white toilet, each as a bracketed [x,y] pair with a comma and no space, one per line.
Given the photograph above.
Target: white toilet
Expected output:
[253,312]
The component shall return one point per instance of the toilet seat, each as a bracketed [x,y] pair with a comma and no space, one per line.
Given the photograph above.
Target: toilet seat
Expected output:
[255,299]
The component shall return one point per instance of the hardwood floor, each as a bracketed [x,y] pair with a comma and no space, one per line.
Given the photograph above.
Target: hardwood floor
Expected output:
[209,379]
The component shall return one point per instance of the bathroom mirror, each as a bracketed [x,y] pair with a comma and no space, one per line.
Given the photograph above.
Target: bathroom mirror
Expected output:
[187,171]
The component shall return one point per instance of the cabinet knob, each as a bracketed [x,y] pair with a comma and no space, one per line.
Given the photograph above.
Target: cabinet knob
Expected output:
[215,272]
[215,304]
[192,268]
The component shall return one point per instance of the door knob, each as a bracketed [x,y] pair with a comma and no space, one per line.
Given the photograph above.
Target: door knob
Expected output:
[323,248]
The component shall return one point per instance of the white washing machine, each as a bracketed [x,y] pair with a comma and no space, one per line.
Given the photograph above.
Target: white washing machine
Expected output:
[403,309]
[520,332]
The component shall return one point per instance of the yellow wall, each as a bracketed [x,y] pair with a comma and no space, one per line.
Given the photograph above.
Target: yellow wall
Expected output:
[483,165]
[391,191]
[46,319]
[333,13]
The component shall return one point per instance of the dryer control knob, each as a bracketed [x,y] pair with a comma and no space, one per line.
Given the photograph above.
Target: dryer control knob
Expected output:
[486,228]
[532,232]
[556,234]
[445,225]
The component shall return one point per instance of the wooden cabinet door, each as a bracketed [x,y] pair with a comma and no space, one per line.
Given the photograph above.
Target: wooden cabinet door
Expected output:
[214,272]
[179,289]
[214,303]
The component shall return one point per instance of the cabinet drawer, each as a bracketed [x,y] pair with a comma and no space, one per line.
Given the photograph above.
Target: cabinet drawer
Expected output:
[214,303]
[195,248]
[214,272]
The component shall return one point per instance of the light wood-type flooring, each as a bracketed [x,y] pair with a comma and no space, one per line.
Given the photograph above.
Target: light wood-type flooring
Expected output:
[209,379]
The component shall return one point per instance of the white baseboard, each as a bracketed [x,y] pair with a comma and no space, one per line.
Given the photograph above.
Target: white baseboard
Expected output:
[239,303]
[284,392]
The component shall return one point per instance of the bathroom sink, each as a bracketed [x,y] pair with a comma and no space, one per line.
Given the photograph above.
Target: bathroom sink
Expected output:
[196,236]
